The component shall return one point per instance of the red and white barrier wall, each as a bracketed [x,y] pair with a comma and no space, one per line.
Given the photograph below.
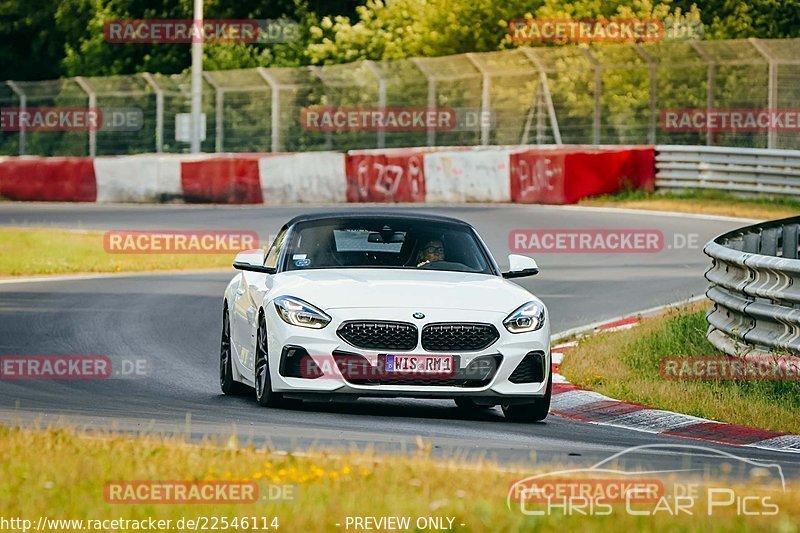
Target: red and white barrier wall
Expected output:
[555,175]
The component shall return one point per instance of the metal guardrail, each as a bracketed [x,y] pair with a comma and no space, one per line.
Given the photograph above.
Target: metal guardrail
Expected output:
[755,287]
[744,170]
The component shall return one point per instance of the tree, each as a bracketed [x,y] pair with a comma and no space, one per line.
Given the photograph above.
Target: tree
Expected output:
[27,32]
[735,19]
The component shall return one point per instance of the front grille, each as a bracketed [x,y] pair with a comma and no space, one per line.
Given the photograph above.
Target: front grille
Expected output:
[379,335]
[458,337]
[530,369]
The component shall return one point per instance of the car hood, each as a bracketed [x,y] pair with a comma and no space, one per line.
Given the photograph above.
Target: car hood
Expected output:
[395,288]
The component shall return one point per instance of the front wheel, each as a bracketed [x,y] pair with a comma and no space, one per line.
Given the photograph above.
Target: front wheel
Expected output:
[228,385]
[535,411]
[265,396]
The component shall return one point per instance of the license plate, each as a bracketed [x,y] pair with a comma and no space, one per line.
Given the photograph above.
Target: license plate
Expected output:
[427,365]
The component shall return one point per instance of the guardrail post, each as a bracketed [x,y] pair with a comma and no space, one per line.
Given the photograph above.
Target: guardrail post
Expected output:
[790,241]
[769,241]
[159,110]
[751,243]
[23,106]
[92,106]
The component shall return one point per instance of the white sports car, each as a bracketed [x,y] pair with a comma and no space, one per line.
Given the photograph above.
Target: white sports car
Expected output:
[344,305]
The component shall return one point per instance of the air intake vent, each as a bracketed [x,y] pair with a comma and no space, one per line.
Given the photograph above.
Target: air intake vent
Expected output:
[458,337]
[376,335]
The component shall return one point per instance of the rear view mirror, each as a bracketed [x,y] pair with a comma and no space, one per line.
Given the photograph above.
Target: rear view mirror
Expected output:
[394,237]
[520,266]
[252,261]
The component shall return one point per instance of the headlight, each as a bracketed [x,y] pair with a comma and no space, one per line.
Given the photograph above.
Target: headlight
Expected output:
[296,312]
[528,317]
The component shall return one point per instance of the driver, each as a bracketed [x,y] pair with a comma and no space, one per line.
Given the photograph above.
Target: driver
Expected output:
[432,251]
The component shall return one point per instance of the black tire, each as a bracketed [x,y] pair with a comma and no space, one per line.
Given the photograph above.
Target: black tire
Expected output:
[228,385]
[265,396]
[531,412]
[468,404]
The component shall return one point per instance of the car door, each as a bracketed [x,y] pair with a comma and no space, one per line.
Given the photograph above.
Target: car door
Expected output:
[249,294]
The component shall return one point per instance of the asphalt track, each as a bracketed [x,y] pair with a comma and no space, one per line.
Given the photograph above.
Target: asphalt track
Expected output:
[171,321]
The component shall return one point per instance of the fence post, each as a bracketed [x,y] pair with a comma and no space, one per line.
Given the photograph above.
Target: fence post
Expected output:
[486,99]
[159,110]
[381,99]
[598,88]
[23,106]
[318,73]
[653,68]
[275,124]
[92,106]
[551,110]
[772,97]
[431,96]
[219,113]
[543,91]
[710,85]
[540,112]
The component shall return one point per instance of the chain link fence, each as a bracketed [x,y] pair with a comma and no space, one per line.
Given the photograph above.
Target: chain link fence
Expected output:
[583,94]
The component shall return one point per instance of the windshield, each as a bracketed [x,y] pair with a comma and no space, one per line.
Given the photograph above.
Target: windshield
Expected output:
[382,243]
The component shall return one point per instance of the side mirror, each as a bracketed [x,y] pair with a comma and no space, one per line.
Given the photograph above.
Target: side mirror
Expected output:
[252,261]
[520,266]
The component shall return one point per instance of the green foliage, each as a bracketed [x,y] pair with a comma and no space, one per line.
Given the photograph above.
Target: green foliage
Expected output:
[409,28]
[335,32]
[735,19]
[27,32]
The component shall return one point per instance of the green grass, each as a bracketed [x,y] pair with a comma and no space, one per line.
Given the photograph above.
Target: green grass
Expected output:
[37,251]
[626,365]
[702,201]
[62,474]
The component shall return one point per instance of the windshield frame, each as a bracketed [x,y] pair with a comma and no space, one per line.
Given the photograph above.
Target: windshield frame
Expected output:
[289,241]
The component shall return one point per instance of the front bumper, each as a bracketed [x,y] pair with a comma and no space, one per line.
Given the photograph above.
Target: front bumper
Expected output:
[508,351]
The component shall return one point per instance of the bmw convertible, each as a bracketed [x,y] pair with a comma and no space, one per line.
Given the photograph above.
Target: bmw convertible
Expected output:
[349,305]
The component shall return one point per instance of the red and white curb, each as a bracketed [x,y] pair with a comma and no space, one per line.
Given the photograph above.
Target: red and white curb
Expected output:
[570,401]
[496,174]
